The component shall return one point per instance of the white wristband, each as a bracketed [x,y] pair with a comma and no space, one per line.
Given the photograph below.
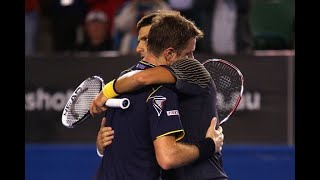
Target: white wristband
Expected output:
[99,154]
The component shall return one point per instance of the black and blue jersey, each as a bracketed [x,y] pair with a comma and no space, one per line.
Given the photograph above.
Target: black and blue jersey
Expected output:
[197,106]
[153,113]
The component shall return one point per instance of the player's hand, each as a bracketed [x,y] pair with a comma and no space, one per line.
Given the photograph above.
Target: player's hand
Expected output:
[105,136]
[98,104]
[215,134]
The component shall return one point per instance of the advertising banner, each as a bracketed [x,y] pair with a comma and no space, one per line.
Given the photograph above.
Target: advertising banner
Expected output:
[264,115]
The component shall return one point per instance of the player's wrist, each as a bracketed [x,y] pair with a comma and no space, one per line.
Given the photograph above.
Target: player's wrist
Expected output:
[206,148]
[99,153]
[114,86]
[109,91]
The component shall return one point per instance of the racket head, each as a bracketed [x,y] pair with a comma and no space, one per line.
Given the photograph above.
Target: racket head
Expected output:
[77,107]
[229,83]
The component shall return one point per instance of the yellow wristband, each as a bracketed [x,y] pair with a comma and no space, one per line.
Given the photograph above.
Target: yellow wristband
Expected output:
[108,90]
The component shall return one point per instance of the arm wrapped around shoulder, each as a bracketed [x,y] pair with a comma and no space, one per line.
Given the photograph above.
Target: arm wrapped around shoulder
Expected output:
[109,91]
[192,77]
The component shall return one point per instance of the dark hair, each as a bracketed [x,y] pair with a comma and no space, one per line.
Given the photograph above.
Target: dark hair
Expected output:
[146,20]
[170,29]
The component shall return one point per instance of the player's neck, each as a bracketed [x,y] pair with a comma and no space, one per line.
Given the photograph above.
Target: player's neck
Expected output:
[152,59]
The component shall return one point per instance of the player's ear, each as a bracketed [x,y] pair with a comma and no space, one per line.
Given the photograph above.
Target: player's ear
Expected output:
[169,54]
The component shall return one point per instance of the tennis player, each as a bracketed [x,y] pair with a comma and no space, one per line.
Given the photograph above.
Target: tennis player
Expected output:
[197,101]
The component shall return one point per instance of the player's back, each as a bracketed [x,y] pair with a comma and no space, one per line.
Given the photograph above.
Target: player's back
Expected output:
[196,112]
[197,106]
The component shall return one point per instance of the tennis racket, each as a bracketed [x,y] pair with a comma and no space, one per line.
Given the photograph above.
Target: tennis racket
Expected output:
[229,84]
[77,108]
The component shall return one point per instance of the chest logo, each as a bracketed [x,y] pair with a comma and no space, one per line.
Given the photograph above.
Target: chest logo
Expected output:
[158,103]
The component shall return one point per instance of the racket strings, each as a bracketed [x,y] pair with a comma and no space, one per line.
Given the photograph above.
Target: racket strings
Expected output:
[228,83]
[88,90]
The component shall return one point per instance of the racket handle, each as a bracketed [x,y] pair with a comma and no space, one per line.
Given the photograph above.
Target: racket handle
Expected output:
[123,103]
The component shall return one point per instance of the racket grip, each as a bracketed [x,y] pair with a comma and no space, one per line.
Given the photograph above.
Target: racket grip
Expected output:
[122,103]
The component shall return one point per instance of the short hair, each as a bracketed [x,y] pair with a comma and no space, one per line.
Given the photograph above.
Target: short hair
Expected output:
[146,20]
[171,29]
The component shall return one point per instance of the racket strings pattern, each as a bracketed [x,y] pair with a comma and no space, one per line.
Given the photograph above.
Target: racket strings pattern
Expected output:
[192,71]
[79,103]
[77,109]
[229,83]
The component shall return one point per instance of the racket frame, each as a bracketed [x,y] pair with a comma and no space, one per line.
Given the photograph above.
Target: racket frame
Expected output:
[242,85]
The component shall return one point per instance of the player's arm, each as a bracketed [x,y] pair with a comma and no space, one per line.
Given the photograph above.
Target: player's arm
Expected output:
[129,82]
[156,75]
[171,154]
[189,75]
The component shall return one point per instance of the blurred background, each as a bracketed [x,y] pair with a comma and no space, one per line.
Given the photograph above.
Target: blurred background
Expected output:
[67,41]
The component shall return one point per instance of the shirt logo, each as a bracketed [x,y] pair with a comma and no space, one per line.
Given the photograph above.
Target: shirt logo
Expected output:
[173,113]
[158,103]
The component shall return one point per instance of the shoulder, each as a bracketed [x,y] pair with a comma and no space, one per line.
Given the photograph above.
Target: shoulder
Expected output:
[169,88]
[167,91]
[127,70]
[188,65]
[192,71]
